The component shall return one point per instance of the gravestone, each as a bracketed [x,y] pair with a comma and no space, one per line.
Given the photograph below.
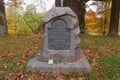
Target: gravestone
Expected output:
[60,44]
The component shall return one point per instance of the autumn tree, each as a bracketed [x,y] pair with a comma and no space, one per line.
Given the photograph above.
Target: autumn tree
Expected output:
[33,19]
[16,23]
[3,24]
[114,18]
[93,23]
[78,7]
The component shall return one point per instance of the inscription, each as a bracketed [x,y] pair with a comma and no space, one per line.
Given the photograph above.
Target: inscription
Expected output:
[59,36]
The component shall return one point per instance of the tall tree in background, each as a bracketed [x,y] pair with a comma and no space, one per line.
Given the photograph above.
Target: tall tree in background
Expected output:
[33,19]
[114,20]
[93,23]
[78,6]
[3,24]
[57,3]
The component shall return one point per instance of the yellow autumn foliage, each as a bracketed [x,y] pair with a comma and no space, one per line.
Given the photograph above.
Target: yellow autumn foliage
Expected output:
[93,23]
[11,32]
[97,25]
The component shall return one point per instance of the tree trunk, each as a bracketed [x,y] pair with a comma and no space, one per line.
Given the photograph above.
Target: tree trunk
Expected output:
[57,3]
[78,6]
[3,24]
[114,20]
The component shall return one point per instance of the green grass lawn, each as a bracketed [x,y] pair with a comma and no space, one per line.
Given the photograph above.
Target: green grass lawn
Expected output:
[103,54]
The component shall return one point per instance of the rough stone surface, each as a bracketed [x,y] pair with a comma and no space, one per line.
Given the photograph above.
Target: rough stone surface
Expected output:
[80,65]
[58,12]
[60,42]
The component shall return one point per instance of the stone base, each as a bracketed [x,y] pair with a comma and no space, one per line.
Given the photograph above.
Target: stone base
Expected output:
[80,66]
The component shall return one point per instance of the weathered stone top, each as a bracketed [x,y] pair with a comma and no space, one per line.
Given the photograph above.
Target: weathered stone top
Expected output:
[57,12]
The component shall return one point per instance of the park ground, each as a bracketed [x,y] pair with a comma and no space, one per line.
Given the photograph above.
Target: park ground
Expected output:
[102,52]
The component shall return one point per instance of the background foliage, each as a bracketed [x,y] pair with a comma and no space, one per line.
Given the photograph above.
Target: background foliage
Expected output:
[23,21]
[27,21]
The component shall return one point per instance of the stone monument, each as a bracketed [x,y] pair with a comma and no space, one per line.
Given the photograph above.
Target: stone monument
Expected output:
[60,50]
